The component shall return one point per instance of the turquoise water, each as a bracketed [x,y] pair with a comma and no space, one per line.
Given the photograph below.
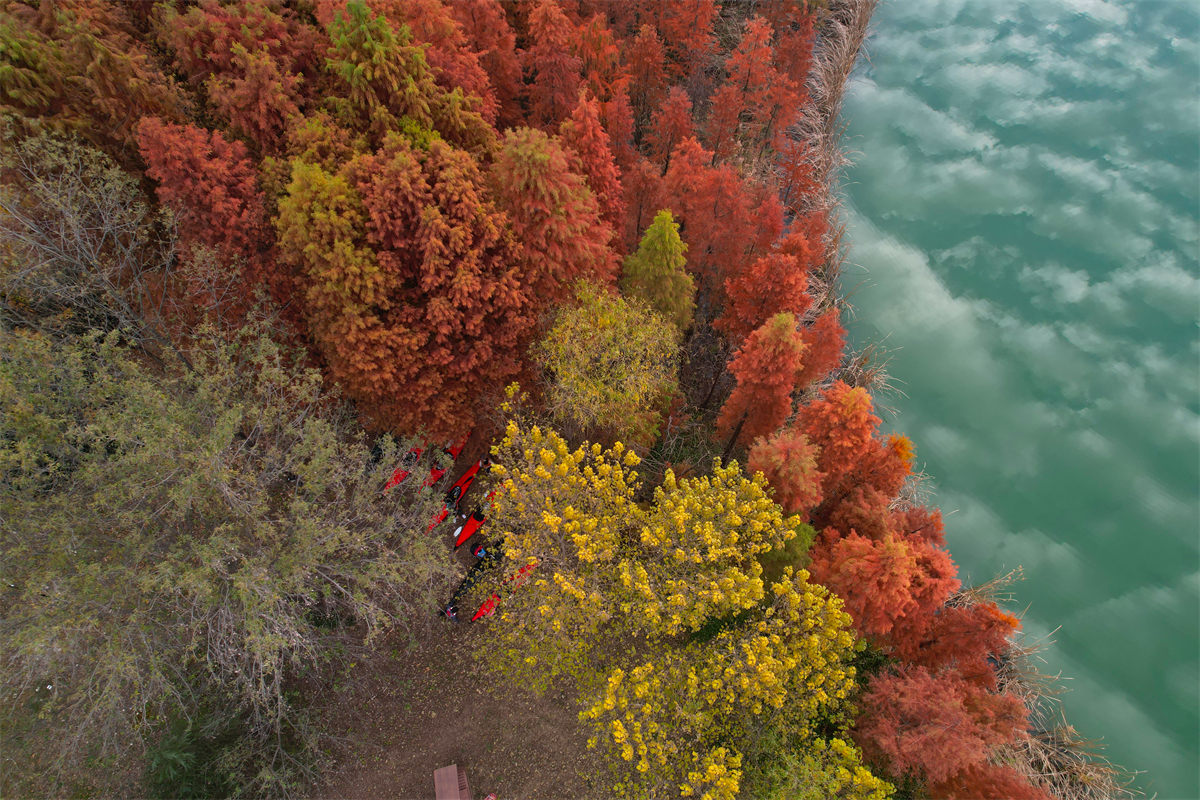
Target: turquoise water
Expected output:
[1023,216]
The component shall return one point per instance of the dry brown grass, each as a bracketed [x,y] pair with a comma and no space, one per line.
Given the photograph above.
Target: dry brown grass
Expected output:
[1054,755]
[841,32]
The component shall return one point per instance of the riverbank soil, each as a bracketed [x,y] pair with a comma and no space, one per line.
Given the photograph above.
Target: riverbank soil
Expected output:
[413,707]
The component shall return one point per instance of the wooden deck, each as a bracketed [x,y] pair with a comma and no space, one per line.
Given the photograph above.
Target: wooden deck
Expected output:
[450,783]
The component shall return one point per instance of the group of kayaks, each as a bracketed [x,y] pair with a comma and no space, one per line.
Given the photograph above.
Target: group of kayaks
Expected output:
[487,554]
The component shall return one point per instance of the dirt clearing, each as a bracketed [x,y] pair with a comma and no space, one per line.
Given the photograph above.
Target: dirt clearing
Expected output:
[404,712]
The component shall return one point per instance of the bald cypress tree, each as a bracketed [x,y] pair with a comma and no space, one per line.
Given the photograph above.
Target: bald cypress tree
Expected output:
[656,273]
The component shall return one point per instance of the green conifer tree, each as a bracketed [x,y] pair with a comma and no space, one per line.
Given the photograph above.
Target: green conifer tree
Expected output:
[655,274]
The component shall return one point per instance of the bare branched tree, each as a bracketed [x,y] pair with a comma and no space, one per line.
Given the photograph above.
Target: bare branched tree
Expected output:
[79,247]
[172,539]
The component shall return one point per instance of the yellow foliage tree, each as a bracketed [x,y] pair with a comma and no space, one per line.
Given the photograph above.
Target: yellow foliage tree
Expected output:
[658,613]
[676,721]
[610,364]
[823,770]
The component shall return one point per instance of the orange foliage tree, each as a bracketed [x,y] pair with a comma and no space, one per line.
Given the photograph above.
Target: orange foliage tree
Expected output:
[453,62]
[258,100]
[78,66]
[259,63]
[599,59]
[554,216]
[961,636]
[765,368]
[413,294]
[586,138]
[553,72]
[642,189]
[788,460]
[985,779]
[383,84]
[413,301]
[885,580]
[202,39]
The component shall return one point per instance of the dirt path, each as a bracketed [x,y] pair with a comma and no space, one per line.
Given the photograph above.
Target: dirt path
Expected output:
[404,713]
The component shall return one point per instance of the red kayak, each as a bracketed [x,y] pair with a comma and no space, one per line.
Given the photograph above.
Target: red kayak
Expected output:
[472,524]
[438,518]
[462,484]
[516,579]
[452,450]
[405,469]
[460,487]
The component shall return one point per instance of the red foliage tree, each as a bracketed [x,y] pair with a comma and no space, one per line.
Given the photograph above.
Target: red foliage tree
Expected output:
[842,423]
[686,26]
[641,187]
[806,236]
[553,214]
[617,116]
[883,581]
[203,39]
[854,463]
[670,123]
[774,284]
[209,182]
[789,462]
[554,74]
[797,179]
[792,21]
[756,98]
[725,220]
[862,508]
[919,522]
[646,62]
[826,340]
[765,368]
[984,781]
[488,34]
[877,479]
[586,138]
[934,727]
[959,636]
[600,59]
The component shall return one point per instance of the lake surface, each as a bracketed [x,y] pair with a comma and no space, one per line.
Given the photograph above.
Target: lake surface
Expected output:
[1023,215]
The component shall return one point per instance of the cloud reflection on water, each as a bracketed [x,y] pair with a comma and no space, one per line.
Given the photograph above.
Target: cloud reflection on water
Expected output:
[1025,205]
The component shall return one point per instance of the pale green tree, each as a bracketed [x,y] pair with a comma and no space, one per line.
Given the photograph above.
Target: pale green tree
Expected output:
[656,272]
[610,364]
[173,539]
